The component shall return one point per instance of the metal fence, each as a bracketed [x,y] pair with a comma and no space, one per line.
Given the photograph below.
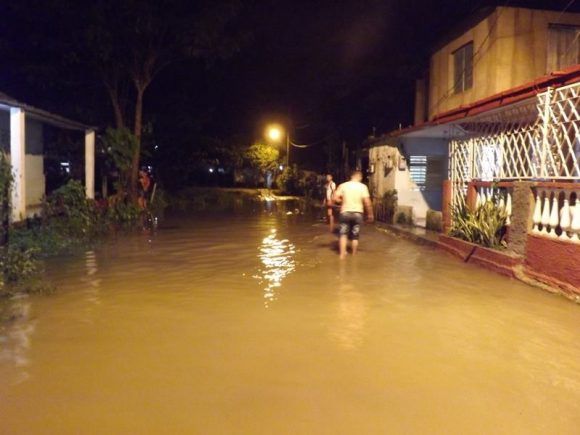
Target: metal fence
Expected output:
[537,139]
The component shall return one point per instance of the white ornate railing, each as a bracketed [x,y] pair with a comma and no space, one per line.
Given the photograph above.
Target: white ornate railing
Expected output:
[536,139]
[557,212]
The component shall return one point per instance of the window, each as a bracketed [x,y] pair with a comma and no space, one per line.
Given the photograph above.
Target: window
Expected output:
[418,171]
[427,172]
[563,46]
[463,68]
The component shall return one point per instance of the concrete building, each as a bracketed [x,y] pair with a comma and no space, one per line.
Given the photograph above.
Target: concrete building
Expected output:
[484,83]
[21,136]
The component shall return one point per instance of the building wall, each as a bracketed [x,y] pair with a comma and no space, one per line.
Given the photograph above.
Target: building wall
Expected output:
[35,179]
[510,49]
[408,193]
[4,131]
[381,181]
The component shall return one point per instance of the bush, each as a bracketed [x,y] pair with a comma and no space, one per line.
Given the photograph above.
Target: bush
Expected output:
[289,180]
[292,181]
[404,215]
[5,183]
[123,213]
[485,226]
[18,264]
[385,207]
[69,205]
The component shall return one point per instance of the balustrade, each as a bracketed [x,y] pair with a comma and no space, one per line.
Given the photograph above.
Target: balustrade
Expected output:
[557,213]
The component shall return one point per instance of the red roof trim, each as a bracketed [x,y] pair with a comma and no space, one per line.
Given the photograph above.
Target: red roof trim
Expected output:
[519,93]
[511,96]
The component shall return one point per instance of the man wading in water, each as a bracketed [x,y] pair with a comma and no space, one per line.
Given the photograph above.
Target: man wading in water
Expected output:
[355,200]
[330,188]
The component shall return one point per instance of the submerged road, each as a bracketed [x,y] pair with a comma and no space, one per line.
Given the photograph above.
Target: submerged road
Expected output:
[249,324]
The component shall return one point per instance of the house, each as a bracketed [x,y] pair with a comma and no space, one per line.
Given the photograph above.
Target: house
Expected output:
[21,136]
[500,102]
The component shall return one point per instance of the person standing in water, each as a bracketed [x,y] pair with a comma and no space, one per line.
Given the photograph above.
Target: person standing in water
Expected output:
[327,203]
[144,187]
[355,200]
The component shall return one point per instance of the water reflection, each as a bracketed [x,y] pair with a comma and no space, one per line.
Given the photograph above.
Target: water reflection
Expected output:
[277,257]
[93,282]
[404,339]
[351,309]
[16,330]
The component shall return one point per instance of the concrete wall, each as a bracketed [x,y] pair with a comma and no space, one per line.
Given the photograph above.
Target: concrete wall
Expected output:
[507,53]
[35,179]
[382,181]
[5,131]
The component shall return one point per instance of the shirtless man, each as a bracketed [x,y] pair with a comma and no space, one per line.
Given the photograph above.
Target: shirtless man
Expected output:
[355,200]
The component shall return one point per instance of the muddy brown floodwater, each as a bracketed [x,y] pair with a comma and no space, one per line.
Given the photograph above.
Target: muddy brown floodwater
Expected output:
[249,324]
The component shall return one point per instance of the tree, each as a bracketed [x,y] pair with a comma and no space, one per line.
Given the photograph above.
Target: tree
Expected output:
[263,157]
[123,44]
[132,41]
[119,145]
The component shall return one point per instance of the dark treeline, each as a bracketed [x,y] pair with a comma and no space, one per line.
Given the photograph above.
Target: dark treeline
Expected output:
[196,81]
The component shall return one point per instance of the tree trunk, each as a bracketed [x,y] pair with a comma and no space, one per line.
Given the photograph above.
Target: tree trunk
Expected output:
[118,112]
[138,127]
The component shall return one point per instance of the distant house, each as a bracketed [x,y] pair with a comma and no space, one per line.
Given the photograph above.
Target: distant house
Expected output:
[21,136]
[500,102]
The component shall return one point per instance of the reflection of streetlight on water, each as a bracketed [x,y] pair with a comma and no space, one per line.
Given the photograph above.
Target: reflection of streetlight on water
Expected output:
[277,257]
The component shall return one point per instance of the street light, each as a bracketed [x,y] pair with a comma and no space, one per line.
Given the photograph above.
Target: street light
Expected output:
[275,133]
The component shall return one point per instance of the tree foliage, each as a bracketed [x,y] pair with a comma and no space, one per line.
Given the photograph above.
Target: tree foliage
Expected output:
[119,145]
[263,157]
[6,179]
[122,44]
[134,40]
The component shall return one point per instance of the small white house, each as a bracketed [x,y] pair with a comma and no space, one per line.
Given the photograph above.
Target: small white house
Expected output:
[415,166]
[21,136]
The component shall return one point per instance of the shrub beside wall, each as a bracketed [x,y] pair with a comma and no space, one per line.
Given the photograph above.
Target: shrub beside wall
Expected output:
[434,220]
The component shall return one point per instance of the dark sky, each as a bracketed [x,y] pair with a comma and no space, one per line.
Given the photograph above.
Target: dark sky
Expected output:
[335,69]
[344,66]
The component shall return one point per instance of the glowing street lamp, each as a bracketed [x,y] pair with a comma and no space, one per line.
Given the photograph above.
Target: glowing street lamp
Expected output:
[275,133]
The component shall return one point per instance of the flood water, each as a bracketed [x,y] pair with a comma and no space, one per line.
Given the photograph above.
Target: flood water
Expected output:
[250,324]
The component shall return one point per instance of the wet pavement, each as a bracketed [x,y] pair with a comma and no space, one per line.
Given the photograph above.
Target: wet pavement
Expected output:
[250,324]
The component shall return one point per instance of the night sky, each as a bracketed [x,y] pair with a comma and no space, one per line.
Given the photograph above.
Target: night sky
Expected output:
[335,69]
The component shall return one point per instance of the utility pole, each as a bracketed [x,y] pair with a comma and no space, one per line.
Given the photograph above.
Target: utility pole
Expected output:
[288,146]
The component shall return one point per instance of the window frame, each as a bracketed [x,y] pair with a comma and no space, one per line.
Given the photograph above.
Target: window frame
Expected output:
[553,27]
[463,81]
[418,171]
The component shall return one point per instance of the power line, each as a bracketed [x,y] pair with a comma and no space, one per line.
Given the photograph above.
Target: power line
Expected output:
[573,44]
[452,88]
[297,145]
[570,3]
